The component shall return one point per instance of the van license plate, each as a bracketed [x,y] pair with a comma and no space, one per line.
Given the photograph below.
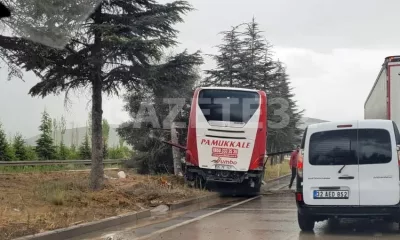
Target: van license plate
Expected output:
[337,194]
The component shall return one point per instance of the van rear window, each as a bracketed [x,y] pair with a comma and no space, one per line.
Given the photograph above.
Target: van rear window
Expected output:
[341,147]
[374,146]
[333,148]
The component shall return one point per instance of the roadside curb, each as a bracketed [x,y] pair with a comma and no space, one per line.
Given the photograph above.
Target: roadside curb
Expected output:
[84,228]
[80,229]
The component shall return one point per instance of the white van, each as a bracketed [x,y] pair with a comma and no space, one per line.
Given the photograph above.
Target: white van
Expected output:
[348,170]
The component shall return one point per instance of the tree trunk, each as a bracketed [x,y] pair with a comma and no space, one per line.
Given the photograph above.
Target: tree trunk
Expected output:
[175,151]
[97,171]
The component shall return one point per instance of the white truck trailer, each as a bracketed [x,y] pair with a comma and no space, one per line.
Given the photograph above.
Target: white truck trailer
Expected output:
[383,101]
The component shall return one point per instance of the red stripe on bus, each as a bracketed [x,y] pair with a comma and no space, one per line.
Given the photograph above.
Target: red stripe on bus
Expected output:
[192,136]
[258,154]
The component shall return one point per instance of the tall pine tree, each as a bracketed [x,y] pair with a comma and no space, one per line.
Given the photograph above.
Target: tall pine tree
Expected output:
[229,61]
[20,148]
[45,148]
[254,51]
[246,57]
[286,134]
[84,150]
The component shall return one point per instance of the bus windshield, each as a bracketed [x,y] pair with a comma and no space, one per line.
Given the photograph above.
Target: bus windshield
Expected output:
[228,105]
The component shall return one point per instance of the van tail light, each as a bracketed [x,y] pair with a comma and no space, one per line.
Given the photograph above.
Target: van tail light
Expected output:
[300,163]
[299,197]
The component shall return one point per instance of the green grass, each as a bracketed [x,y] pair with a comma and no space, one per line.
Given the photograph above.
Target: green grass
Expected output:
[48,168]
[276,170]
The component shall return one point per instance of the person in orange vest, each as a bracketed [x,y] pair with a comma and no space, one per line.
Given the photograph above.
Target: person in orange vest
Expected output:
[293,165]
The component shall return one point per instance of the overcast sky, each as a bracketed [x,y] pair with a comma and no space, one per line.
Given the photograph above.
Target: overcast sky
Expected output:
[333,50]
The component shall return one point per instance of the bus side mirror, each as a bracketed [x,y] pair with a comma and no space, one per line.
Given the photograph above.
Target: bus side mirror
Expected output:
[398,147]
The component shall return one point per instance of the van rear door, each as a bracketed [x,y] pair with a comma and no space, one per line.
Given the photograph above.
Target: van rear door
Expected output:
[378,164]
[330,165]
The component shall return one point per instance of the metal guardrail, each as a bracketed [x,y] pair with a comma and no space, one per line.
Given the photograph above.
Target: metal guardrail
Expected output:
[58,162]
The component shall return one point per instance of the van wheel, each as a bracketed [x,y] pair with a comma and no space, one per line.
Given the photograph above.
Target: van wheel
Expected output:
[306,223]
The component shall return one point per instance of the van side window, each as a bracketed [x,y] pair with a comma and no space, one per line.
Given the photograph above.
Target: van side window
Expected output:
[336,147]
[374,146]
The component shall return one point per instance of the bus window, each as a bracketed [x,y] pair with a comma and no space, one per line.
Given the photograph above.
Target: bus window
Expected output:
[228,105]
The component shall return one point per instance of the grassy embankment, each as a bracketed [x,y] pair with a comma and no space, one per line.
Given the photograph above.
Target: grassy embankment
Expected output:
[39,198]
[34,202]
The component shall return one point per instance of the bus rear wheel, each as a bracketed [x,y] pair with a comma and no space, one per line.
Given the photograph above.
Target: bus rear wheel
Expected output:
[199,182]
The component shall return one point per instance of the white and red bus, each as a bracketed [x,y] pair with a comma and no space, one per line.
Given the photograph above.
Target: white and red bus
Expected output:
[227,137]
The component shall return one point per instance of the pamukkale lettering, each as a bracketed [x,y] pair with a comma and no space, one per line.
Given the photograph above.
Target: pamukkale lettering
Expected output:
[225,143]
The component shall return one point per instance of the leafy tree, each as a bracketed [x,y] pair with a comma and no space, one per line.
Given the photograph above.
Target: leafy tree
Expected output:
[119,152]
[10,153]
[113,49]
[121,142]
[20,148]
[63,152]
[44,145]
[73,153]
[62,126]
[84,150]
[31,153]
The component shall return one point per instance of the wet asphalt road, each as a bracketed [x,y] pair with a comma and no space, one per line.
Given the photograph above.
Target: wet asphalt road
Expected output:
[271,217]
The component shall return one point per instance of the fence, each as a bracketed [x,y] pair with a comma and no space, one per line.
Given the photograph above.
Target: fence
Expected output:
[58,162]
